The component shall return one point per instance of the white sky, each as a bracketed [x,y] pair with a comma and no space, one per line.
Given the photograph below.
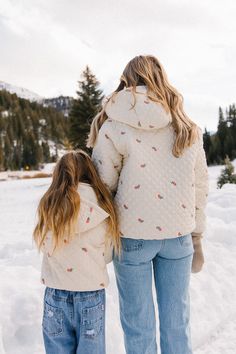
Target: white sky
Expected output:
[45,44]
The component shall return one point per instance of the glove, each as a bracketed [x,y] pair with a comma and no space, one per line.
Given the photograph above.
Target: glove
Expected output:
[198,257]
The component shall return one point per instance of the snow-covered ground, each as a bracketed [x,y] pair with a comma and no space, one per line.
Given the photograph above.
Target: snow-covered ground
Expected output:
[213,291]
[46,169]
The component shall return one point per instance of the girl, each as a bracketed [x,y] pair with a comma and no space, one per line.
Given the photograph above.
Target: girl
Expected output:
[75,216]
[150,154]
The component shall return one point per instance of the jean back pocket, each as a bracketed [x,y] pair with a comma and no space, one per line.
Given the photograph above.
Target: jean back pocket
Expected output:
[93,319]
[52,320]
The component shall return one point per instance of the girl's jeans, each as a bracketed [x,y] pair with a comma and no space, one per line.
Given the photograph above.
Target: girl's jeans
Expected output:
[74,322]
[171,261]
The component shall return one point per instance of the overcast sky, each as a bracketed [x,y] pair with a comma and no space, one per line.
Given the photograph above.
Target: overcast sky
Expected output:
[45,44]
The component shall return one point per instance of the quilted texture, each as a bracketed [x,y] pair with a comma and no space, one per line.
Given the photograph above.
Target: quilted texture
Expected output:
[157,195]
[80,265]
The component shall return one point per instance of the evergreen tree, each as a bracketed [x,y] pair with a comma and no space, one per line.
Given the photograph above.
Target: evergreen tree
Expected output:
[84,108]
[32,154]
[46,152]
[207,143]
[17,157]
[222,131]
[26,129]
[1,156]
[7,153]
[229,145]
[227,174]
[231,122]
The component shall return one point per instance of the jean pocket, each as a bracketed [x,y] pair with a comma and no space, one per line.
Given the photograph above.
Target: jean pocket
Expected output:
[52,320]
[93,321]
[186,240]
[130,245]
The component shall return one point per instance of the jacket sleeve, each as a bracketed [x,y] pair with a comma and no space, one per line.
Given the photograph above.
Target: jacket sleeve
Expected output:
[201,188]
[108,252]
[106,156]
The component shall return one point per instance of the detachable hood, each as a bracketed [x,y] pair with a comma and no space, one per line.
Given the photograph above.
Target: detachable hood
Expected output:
[137,110]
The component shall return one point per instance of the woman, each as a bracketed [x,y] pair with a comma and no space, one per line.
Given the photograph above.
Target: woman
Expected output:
[150,155]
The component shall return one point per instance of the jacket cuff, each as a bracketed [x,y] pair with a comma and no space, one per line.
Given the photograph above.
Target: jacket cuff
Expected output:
[196,234]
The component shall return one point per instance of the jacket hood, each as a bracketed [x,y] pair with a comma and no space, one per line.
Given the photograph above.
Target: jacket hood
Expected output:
[90,214]
[145,114]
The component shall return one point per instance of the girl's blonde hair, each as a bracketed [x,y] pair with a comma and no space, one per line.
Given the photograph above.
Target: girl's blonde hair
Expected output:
[59,207]
[147,70]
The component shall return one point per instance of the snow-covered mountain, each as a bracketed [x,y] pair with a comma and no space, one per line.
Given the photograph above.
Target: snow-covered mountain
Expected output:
[21,92]
[61,104]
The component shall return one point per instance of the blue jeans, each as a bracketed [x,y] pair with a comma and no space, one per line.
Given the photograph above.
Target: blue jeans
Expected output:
[74,322]
[171,261]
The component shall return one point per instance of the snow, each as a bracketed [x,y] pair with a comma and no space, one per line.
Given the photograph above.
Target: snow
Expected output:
[223,340]
[4,114]
[47,168]
[213,300]
[21,92]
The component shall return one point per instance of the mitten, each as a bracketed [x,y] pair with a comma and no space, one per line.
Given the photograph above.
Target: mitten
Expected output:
[198,257]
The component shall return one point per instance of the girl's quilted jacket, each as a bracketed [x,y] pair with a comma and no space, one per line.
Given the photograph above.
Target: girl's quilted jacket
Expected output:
[80,265]
[157,195]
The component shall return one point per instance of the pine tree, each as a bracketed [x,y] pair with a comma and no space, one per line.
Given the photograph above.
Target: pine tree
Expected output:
[229,145]
[84,108]
[7,153]
[227,174]
[32,153]
[46,152]
[222,131]
[231,122]
[1,156]
[16,161]
[207,145]
[26,128]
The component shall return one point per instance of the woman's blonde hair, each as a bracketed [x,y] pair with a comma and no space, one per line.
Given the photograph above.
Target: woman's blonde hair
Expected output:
[147,70]
[59,207]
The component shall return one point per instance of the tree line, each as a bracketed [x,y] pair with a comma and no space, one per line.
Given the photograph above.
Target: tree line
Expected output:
[32,134]
[222,143]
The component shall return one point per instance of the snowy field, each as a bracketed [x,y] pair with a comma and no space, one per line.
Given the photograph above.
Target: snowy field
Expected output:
[213,291]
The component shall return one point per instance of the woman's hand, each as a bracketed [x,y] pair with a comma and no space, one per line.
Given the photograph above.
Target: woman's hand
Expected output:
[198,257]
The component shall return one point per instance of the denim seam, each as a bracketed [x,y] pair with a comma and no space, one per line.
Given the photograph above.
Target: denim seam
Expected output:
[177,258]
[81,298]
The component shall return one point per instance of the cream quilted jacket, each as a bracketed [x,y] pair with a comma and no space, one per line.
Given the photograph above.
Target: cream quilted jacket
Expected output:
[80,265]
[156,194]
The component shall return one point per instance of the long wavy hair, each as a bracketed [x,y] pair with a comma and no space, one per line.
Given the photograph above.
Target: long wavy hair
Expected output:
[59,207]
[147,70]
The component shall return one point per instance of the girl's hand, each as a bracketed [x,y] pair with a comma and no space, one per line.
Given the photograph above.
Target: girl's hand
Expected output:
[198,257]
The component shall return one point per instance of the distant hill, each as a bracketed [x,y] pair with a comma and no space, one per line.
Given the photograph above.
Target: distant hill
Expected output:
[21,92]
[61,103]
